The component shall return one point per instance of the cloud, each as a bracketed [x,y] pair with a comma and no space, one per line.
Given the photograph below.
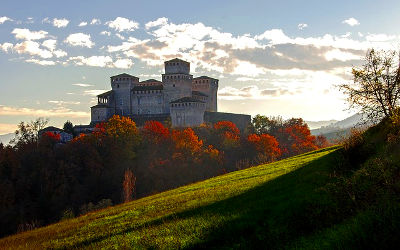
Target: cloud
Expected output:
[60,23]
[95,21]
[351,21]
[101,61]
[94,92]
[302,26]
[61,103]
[159,22]
[123,24]
[82,85]
[94,61]
[81,24]
[106,33]
[123,63]
[120,36]
[250,92]
[79,39]
[41,62]
[56,112]
[50,44]
[6,47]
[32,48]
[4,19]
[6,128]
[26,34]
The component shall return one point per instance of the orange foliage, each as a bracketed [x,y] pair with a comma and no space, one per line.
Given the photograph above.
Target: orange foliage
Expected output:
[265,144]
[52,136]
[156,131]
[299,138]
[186,140]
[228,129]
[120,127]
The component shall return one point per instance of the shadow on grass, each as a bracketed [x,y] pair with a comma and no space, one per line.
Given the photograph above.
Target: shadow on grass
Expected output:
[267,216]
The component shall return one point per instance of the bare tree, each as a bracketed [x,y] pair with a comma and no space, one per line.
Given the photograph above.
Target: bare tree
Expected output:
[29,132]
[375,90]
[129,185]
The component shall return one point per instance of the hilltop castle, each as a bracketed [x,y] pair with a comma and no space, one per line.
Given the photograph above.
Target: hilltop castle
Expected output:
[188,101]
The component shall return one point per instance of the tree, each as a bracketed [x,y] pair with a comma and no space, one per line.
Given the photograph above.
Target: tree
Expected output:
[68,127]
[375,90]
[29,132]
[129,185]
[267,125]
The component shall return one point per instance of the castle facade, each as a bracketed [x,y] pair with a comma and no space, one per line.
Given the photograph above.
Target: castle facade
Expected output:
[179,95]
[186,100]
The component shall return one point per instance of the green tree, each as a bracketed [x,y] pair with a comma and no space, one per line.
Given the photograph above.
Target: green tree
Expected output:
[375,89]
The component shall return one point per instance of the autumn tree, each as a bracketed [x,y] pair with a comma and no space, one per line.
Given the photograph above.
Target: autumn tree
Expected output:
[375,89]
[68,127]
[296,138]
[266,145]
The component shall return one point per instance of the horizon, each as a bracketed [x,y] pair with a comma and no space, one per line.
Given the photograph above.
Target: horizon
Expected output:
[56,60]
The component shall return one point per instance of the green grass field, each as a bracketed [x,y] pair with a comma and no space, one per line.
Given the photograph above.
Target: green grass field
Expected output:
[264,206]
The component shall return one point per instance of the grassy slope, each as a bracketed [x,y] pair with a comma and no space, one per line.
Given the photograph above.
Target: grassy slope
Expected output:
[248,208]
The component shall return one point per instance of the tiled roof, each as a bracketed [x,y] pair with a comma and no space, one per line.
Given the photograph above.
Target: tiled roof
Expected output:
[124,75]
[106,93]
[150,80]
[176,60]
[151,87]
[204,77]
[186,99]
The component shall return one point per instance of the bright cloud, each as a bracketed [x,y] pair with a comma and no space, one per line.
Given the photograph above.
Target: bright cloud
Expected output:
[4,19]
[250,92]
[351,21]
[6,47]
[57,112]
[79,39]
[94,92]
[82,85]
[26,34]
[60,23]
[123,63]
[159,22]
[81,24]
[62,103]
[123,24]
[302,26]
[106,33]
[95,21]
[41,62]
[32,48]
[95,61]
[50,44]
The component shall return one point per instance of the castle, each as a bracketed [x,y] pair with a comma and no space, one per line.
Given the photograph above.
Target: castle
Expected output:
[188,101]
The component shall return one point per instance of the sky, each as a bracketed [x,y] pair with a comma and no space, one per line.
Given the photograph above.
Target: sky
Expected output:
[275,58]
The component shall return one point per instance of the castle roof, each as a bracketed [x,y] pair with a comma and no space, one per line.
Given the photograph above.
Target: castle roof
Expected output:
[194,92]
[50,129]
[150,80]
[186,99]
[124,75]
[100,105]
[150,87]
[176,60]
[204,77]
[106,93]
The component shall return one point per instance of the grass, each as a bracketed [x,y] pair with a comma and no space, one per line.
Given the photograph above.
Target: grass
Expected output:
[264,206]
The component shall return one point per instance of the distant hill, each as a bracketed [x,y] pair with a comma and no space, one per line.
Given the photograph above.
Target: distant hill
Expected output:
[339,129]
[5,139]
[319,124]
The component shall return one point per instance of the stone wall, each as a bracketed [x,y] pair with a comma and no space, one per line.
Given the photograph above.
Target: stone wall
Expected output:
[242,121]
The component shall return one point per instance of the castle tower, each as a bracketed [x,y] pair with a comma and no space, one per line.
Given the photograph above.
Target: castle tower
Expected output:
[177,81]
[122,85]
[208,86]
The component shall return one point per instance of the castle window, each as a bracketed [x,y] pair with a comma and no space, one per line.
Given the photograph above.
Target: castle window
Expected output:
[118,86]
[173,85]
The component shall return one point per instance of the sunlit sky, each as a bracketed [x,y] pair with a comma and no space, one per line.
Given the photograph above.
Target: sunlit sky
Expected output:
[271,57]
